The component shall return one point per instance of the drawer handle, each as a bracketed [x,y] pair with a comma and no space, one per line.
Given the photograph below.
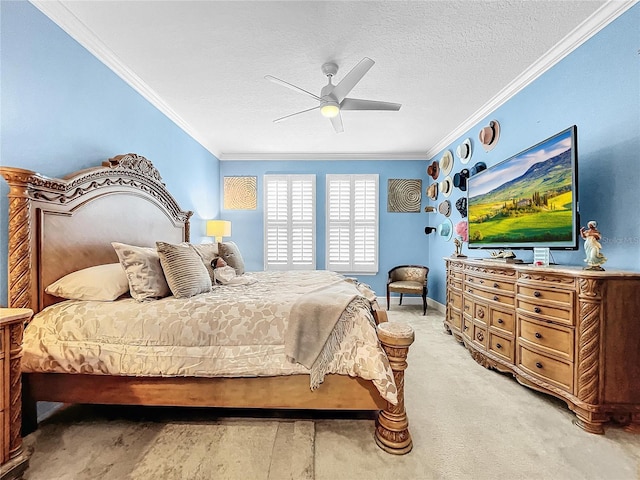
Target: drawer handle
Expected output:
[495,297]
[471,279]
[498,345]
[480,313]
[466,328]
[500,320]
[466,307]
[536,293]
[495,285]
[469,290]
[538,364]
[481,281]
[537,310]
[538,335]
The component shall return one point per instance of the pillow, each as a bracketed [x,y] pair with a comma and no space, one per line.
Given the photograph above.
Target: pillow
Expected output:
[144,272]
[208,252]
[102,282]
[183,268]
[231,254]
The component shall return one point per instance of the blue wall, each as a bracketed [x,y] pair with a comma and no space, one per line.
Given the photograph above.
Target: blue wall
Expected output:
[63,110]
[597,88]
[402,238]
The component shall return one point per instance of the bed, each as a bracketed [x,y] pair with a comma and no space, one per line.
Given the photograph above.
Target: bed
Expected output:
[61,226]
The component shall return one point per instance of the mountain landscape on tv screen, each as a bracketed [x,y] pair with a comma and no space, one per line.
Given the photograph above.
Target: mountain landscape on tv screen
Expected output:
[535,207]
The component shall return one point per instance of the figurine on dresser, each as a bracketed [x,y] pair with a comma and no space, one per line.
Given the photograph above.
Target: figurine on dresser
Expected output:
[592,246]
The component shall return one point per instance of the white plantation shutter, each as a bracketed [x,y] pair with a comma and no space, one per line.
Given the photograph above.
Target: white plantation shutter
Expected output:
[352,223]
[289,220]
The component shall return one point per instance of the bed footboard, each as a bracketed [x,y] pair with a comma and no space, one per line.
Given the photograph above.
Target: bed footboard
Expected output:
[392,426]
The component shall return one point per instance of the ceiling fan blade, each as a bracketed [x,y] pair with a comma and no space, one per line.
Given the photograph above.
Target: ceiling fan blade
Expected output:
[343,88]
[293,114]
[337,123]
[292,87]
[357,104]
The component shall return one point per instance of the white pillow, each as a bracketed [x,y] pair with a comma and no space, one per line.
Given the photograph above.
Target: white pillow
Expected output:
[102,283]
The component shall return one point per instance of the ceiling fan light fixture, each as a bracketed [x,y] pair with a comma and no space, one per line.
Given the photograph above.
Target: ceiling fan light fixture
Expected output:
[330,110]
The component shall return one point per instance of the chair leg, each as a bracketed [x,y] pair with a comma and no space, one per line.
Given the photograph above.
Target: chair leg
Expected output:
[388,302]
[424,304]
[400,299]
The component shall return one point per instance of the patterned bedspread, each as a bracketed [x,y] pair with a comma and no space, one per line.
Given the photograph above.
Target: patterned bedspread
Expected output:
[234,331]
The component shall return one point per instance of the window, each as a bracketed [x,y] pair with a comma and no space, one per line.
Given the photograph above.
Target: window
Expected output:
[289,222]
[352,223]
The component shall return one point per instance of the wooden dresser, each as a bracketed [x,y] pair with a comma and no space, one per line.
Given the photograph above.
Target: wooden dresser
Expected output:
[565,331]
[13,460]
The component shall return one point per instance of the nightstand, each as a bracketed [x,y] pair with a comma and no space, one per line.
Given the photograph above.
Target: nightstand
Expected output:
[13,460]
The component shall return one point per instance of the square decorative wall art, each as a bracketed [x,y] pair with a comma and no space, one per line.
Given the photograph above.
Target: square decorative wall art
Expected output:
[240,193]
[404,195]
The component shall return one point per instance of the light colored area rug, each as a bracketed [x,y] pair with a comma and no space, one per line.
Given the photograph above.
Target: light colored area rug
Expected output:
[84,444]
[467,422]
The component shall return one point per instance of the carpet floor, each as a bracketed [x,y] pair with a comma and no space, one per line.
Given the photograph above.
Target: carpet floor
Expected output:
[467,422]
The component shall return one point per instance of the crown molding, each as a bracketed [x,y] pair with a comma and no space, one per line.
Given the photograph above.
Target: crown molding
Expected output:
[583,32]
[72,25]
[284,156]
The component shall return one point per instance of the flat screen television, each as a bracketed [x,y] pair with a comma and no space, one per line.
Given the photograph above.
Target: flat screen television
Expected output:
[528,200]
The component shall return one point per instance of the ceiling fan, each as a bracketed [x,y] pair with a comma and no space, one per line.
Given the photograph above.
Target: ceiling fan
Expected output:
[333,98]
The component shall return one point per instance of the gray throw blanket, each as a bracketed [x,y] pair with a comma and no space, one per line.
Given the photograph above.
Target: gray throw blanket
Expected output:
[313,332]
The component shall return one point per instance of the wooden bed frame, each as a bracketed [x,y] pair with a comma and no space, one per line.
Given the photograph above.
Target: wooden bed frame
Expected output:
[57,226]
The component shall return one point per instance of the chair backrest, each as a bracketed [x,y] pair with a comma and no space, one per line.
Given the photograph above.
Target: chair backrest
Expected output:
[414,273]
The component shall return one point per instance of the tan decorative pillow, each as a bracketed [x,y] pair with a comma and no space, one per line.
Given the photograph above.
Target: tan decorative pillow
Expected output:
[144,272]
[231,254]
[184,270]
[207,252]
[102,283]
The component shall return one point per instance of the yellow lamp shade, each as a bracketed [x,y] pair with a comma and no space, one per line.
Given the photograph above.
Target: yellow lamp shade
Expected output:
[218,229]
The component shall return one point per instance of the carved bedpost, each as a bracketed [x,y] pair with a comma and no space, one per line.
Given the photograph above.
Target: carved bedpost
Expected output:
[392,426]
[20,260]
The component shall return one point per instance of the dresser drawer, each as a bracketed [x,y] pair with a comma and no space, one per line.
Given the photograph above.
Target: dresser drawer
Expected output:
[547,369]
[455,299]
[481,312]
[546,295]
[457,284]
[556,340]
[480,335]
[502,320]
[489,283]
[455,318]
[546,312]
[467,306]
[501,346]
[456,273]
[467,328]
[494,295]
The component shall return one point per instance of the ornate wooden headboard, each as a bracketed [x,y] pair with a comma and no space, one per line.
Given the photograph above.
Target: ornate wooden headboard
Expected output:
[57,226]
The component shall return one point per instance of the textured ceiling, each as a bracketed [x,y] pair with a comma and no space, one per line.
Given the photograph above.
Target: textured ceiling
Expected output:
[447,62]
